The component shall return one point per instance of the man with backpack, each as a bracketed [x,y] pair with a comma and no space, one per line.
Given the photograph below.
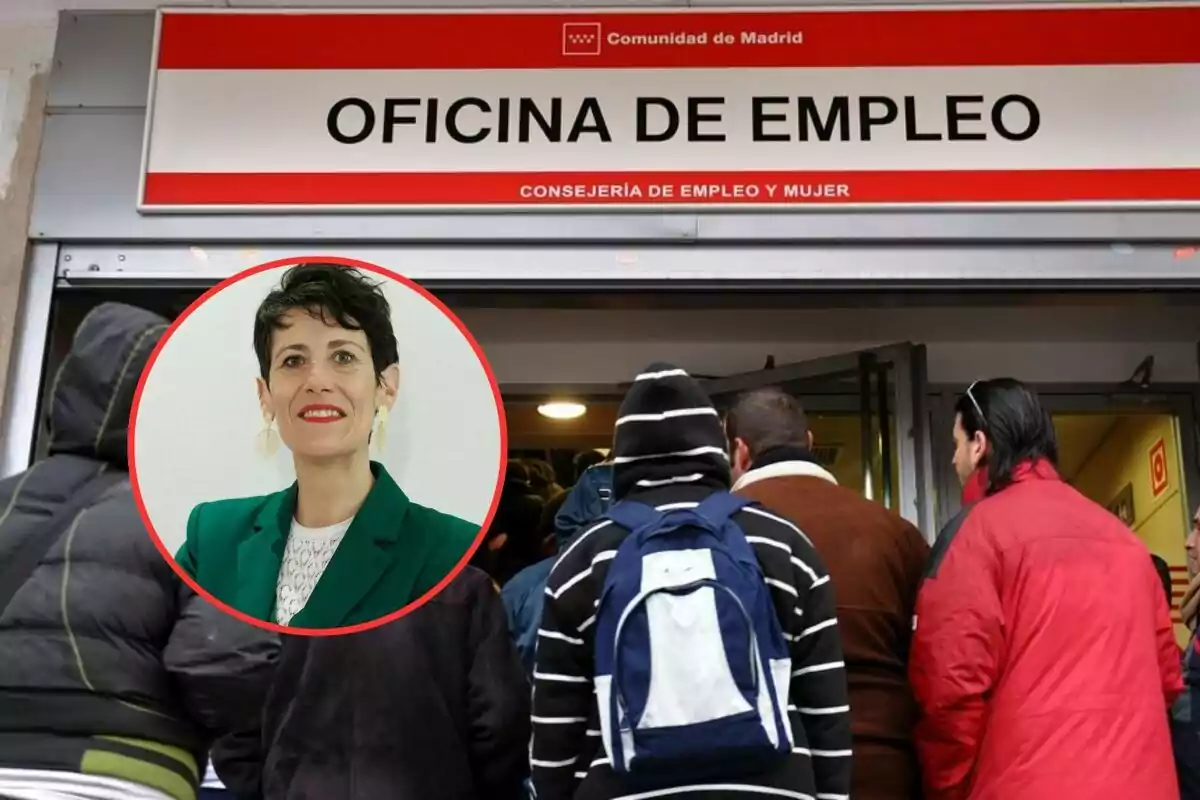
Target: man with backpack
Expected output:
[688,643]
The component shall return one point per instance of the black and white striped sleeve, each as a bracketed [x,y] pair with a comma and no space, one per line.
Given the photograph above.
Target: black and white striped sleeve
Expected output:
[821,696]
[562,678]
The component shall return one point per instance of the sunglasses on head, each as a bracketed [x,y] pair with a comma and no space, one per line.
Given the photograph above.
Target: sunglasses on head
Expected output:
[974,402]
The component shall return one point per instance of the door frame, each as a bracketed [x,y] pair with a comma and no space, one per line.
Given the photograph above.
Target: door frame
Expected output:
[909,415]
[907,372]
[1180,400]
[822,400]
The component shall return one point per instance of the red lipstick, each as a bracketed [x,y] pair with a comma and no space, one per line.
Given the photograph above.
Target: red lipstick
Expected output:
[321,412]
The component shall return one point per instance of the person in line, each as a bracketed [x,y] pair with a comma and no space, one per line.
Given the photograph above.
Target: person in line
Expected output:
[1189,607]
[115,678]
[588,501]
[1043,657]
[876,560]
[432,705]
[536,531]
[525,509]
[547,536]
[670,454]
[523,595]
[1185,713]
[517,473]
[1163,570]
[510,543]
[488,556]
[585,460]
[542,479]
[343,544]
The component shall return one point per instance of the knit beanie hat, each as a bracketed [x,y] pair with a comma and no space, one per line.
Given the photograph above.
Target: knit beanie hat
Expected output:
[667,432]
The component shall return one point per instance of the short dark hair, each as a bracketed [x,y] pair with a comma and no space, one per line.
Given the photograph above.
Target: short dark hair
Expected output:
[541,474]
[336,295]
[1017,428]
[585,460]
[515,471]
[766,418]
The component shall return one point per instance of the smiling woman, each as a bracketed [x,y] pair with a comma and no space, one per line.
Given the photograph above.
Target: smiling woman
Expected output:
[343,545]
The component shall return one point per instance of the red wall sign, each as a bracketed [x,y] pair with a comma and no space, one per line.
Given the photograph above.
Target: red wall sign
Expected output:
[1159,479]
[673,108]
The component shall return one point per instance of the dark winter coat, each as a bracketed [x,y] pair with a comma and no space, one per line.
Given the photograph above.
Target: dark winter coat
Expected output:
[103,640]
[432,705]
[1185,725]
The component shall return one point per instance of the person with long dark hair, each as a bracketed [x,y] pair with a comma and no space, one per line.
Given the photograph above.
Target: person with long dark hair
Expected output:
[1043,656]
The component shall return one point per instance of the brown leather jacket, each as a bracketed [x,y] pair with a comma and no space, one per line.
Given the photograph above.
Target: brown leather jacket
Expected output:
[876,560]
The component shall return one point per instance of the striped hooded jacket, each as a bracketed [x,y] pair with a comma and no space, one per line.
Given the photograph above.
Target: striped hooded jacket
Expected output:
[669,450]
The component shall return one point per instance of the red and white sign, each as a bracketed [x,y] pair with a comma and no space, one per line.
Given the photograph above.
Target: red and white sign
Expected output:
[1052,106]
[1159,476]
[1179,584]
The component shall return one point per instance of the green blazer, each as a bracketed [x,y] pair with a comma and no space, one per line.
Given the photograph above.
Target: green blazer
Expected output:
[394,552]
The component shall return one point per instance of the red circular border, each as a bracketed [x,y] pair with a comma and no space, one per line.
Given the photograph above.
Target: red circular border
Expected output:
[170,558]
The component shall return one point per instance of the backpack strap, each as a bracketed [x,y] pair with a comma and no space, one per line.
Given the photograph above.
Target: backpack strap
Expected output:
[718,510]
[718,507]
[632,515]
[29,553]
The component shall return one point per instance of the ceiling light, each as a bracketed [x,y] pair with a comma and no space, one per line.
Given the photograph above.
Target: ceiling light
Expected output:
[562,409]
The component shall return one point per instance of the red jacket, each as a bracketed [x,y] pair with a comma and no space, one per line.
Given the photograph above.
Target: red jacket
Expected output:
[976,487]
[1043,656]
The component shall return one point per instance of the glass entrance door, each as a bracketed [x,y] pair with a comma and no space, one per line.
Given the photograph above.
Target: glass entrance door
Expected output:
[869,421]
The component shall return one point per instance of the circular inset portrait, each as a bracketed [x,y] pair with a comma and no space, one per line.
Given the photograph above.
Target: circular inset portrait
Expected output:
[317,445]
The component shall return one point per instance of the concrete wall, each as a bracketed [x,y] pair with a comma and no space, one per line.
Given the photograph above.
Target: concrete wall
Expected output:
[26,52]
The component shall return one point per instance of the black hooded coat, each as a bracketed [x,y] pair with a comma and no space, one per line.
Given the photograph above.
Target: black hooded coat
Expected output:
[109,664]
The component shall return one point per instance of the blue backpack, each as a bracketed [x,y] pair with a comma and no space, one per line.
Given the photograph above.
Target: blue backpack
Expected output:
[692,669]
